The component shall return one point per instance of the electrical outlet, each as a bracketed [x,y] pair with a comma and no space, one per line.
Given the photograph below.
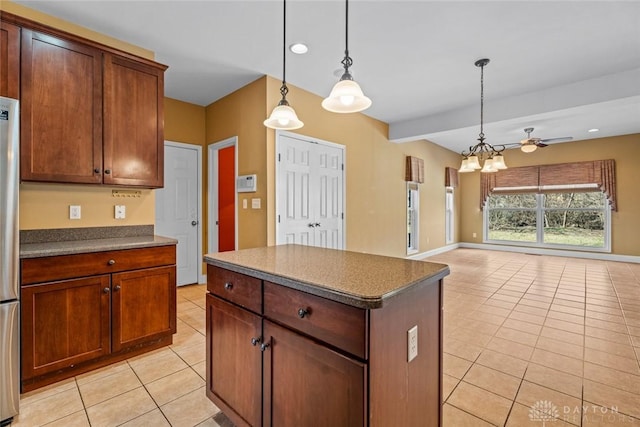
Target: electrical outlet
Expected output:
[74,212]
[475,235]
[120,212]
[412,343]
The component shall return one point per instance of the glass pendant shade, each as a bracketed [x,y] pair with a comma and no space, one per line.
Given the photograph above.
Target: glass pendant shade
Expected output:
[529,148]
[346,97]
[464,166]
[498,162]
[488,166]
[473,162]
[283,117]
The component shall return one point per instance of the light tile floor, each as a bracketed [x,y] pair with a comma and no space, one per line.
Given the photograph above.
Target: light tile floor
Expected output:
[525,333]
[559,335]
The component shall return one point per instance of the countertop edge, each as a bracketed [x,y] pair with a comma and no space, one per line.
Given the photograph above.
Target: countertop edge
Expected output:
[314,289]
[48,249]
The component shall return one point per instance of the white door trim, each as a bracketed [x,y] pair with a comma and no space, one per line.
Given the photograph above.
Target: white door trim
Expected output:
[212,174]
[201,276]
[279,134]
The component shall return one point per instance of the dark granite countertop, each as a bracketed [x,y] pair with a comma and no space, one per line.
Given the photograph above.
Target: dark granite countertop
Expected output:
[69,241]
[357,279]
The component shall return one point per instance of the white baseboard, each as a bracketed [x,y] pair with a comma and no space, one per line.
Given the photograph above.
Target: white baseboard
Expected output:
[433,252]
[553,252]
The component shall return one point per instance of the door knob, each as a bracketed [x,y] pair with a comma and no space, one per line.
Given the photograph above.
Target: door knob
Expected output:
[194,222]
[317,224]
[310,225]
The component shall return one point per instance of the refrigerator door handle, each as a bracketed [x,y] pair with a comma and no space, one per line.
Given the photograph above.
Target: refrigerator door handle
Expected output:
[9,360]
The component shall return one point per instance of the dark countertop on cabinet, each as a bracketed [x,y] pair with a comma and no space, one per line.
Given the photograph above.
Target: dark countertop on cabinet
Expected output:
[353,278]
[36,250]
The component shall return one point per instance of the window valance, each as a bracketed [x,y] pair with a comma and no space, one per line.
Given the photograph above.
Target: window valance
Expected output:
[584,176]
[414,171]
[450,177]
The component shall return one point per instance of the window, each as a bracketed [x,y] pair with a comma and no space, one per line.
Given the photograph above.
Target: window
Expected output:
[449,218]
[413,215]
[569,220]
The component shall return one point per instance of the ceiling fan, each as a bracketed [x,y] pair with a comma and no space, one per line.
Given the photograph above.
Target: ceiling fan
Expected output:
[529,144]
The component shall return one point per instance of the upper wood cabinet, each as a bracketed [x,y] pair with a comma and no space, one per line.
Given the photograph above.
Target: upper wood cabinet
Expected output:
[133,123]
[61,124]
[9,60]
[90,114]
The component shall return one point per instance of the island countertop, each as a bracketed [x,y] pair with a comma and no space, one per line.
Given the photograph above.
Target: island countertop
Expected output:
[353,278]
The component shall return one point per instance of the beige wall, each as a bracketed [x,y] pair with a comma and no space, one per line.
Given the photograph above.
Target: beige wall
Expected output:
[47,205]
[625,150]
[375,186]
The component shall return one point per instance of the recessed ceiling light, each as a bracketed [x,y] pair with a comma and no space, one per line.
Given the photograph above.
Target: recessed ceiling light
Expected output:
[593,130]
[299,48]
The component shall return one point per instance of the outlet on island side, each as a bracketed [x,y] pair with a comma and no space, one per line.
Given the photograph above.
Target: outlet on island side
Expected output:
[412,343]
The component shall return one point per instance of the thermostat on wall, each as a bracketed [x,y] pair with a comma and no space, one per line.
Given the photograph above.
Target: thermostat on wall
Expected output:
[247,183]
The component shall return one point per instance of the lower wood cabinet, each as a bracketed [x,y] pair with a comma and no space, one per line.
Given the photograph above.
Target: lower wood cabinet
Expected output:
[278,356]
[75,325]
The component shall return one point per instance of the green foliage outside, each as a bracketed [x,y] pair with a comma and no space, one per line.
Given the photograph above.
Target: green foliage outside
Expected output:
[569,218]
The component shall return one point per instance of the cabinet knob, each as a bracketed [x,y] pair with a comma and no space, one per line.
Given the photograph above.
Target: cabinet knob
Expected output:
[302,312]
[255,341]
[105,290]
[111,261]
[264,346]
[107,171]
[97,170]
[228,286]
[117,288]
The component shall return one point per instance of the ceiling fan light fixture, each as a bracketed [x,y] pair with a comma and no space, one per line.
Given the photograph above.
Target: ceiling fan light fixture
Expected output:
[283,115]
[346,95]
[529,147]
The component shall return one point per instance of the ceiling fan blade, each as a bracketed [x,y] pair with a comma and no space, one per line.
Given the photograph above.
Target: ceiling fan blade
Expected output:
[564,138]
[541,144]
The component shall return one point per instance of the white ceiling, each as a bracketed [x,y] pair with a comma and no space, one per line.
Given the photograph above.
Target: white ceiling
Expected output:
[561,67]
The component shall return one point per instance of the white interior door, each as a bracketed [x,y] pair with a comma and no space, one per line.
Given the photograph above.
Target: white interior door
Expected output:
[177,208]
[310,192]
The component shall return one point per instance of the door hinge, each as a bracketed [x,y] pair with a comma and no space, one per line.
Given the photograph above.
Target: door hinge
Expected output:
[342,215]
[278,219]
[279,157]
[342,166]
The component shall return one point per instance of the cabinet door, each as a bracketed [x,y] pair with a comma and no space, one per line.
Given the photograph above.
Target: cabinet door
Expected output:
[61,110]
[9,60]
[134,122]
[234,368]
[308,384]
[143,306]
[64,323]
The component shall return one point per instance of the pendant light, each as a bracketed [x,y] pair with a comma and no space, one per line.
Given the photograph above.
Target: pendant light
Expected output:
[471,159]
[346,96]
[283,116]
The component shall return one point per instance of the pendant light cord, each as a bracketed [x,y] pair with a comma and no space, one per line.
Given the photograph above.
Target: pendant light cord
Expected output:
[481,102]
[284,89]
[347,61]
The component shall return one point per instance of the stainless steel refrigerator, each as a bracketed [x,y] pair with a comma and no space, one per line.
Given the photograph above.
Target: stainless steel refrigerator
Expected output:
[9,288]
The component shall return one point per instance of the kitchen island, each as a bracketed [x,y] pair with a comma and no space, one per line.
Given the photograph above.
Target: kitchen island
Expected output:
[305,336]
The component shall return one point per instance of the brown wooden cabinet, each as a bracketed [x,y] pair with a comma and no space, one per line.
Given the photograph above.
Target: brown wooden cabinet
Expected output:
[9,60]
[90,114]
[308,360]
[73,322]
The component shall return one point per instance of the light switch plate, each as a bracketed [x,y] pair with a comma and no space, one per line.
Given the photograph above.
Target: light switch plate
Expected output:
[255,203]
[412,343]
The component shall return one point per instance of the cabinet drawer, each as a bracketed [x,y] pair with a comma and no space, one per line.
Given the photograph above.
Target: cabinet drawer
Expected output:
[337,324]
[45,269]
[238,288]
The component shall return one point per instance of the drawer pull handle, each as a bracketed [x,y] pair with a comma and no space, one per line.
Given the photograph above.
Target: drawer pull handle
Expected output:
[111,261]
[105,290]
[264,346]
[255,341]
[302,312]
[228,286]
